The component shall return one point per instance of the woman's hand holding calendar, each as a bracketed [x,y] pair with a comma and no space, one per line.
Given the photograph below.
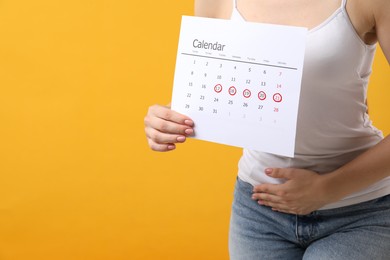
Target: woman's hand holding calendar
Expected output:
[165,127]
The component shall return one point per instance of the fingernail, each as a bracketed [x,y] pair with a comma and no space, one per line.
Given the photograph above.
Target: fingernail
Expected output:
[189,131]
[189,122]
[171,147]
[181,138]
[268,171]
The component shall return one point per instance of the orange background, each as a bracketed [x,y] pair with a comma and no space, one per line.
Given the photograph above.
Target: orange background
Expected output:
[77,180]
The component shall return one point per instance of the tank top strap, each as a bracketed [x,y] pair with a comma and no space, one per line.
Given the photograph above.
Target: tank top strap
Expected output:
[343,3]
[234,3]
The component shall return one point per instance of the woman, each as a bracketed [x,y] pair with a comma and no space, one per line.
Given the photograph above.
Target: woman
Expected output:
[331,201]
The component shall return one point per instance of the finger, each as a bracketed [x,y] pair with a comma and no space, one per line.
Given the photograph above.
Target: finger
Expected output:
[267,188]
[163,138]
[165,120]
[266,197]
[280,173]
[161,147]
[289,209]
[167,114]
[169,127]
[270,204]
[280,207]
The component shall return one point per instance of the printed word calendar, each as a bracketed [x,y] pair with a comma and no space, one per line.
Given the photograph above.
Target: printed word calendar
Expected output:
[240,82]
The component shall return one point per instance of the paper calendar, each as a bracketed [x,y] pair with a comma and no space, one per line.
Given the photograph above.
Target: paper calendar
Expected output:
[240,82]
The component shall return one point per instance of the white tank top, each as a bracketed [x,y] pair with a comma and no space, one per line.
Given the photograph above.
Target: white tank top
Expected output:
[333,125]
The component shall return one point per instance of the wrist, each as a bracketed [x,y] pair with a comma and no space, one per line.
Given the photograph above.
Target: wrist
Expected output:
[332,187]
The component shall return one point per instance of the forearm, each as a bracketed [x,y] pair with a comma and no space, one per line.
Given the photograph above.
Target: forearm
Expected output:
[365,170]
[373,165]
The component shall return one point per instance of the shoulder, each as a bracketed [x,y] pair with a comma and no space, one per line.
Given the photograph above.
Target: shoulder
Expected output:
[380,10]
[369,11]
[368,17]
[213,8]
[370,8]
[381,13]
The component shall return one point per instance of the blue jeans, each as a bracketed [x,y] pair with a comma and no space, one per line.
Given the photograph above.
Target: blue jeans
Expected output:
[357,232]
